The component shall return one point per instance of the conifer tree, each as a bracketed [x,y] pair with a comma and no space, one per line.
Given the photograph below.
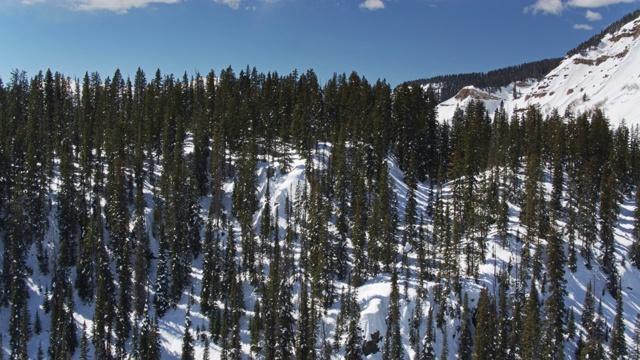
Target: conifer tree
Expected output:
[444,354]
[618,347]
[485,339]
[353,346]
[84,343]
[394,338]
[415,323]
[504,317]
[37,324]
[304,345]
[188,351]
[141,256]
[428,352]
[162,299]
[210,270]
[531,328]
[634,354]
[255,328]
[608,216]
[360,219]
[382,244]
[465,342]
[634,251]
[554,313]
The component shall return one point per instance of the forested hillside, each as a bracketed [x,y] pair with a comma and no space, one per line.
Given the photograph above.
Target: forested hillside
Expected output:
[270,216]
[447,86]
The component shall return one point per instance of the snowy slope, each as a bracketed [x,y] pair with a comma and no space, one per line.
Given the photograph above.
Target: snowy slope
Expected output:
[606,77]
[373,296]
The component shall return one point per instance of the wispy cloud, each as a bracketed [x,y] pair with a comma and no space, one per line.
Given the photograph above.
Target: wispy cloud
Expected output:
[119,6]
[596,3]
[582,27]
[556,7]
[234,4]
[372,5]
[545,7]
[593,15]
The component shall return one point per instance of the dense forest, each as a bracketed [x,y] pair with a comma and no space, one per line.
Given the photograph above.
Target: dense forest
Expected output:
[113,189]
[447,86]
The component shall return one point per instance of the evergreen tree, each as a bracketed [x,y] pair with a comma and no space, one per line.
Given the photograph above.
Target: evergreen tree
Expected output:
[554,313]
[304,343]
[84,343]
[618,348]
[465,342]
[531,340]
[382,244]
[428,352]
[485,339]
[634,354]
[142,252]
[353,346]
[444,354]
[188,350]
[608,217]
[394,338]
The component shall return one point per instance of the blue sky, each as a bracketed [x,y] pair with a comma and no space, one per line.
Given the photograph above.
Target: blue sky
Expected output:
[396,40]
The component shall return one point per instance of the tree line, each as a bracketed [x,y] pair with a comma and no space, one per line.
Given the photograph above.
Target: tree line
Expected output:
[84,161]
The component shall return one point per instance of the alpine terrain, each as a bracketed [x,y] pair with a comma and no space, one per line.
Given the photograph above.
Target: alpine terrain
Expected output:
[268,216]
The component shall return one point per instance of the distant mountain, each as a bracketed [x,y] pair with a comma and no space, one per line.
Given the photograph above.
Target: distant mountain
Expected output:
[447,86]
[602,72]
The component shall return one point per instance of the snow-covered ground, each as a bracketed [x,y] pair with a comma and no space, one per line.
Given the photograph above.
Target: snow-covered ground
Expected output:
[606,77]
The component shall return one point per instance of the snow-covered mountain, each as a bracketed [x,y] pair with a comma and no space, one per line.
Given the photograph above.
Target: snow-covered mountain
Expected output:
[606,77]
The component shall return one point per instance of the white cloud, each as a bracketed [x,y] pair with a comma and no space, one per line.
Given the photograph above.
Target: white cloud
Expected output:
[596,3]
[234,4]
[593,16]
[554,7]
[31,2]
[582,27]
[119,6]
[372,5]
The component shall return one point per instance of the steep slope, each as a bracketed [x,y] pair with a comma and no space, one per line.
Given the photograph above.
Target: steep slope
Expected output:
[606,77]
[373,296]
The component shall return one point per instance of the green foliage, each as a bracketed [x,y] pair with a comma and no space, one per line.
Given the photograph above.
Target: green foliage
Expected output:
[110,146]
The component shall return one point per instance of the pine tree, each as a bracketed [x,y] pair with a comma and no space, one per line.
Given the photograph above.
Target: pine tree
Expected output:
[608,216]
[428,352]
[634,354]
[618,348]
[188,350]
[382,243]
[162,298]
[396,350]
[353,346]
[414,326]
[504,318]
[531,328]
[141,256]
[634,252]
[205,353]
[255,328]
[485,339]
[554,313]
[444,355]
[465,342]
[37,324]
[304,346]
[84,343]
